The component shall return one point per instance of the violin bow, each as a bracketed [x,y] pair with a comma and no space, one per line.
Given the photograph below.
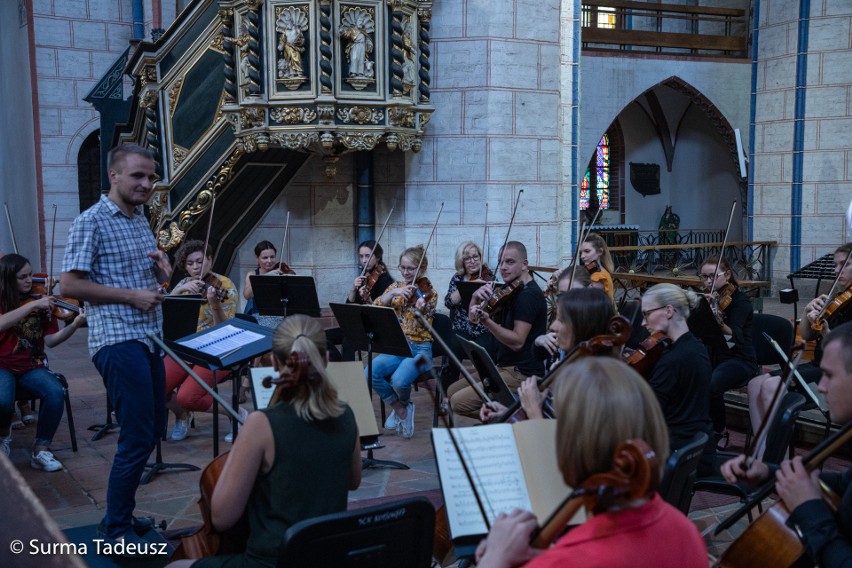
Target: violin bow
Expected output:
[376,243]
[207,237]
[284,241]
[724,244]
[422,360]
[52,246]
[484,239]
[477,388]
[432,234]
[509,230]
[11,230]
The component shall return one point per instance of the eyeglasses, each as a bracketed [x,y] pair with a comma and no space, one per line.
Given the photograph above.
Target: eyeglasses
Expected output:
[471,258]
[407,268]
[646,313]
[710,276]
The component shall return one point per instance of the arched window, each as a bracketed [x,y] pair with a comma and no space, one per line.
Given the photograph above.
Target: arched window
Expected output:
[605,185]
[89,170]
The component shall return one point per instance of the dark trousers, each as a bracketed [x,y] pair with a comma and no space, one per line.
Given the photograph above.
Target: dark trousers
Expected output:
[136,385]
[729,374]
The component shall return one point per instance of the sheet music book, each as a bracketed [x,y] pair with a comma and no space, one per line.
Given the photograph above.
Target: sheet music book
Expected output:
[222,340]
[513,467]
[224,345]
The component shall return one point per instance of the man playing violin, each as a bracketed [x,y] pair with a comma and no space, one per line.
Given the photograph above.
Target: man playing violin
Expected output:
[827,536]
[513,329]
[762,388]
[112,261]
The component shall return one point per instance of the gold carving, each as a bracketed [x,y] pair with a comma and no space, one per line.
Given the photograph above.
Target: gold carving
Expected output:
[292,115]
[212,188]
[290,23]
[295,140]
[424,119]
[151,73]
[252,118]
[169,238]
[359,140]
[401,117]
[330,166]
[218,43]
[148,99]
[360,115]
[174,94]
[179,153]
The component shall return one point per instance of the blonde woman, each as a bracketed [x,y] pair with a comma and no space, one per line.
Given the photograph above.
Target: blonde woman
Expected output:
[600,403]
[596,258]
[292,461]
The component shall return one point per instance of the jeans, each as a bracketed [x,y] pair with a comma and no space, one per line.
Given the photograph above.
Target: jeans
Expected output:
[41,384]
[729,374]
[135,381]
[402,372]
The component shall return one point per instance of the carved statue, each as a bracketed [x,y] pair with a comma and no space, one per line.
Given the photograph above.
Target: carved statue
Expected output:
[291,42]
[356,27]
[409,55]
[242,43]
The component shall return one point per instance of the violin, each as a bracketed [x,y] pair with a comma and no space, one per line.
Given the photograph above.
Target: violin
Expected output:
[284,268]
[635,474]
[210,280]
[371,280]
[768,541]
[484,275]
[63,308]
[424,290]
[643,359]
[720,300]
[619,329]
[839,302]
[500,298]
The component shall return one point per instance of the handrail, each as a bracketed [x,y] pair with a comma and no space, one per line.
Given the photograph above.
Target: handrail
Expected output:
[690,246]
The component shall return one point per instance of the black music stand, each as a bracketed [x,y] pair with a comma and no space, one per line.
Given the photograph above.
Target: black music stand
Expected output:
[372,328]
[229,346]
[466,289]
[492,382]
[285,295]
[180,315]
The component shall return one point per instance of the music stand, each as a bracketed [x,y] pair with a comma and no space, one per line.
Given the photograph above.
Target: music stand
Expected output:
[372,328]
[466,289]
[492,381]
[180,315]
[229,346]
[285,295]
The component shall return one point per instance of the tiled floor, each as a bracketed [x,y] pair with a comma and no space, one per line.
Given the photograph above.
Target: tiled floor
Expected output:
[76,496]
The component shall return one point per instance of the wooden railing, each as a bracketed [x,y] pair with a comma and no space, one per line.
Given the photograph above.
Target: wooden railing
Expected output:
[647,27]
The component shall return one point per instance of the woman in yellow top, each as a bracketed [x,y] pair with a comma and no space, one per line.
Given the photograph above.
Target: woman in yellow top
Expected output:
[220,305]
[595,256]
[393,375]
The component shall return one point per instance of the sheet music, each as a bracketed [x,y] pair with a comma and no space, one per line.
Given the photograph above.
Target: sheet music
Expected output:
[226,339]
[492,456]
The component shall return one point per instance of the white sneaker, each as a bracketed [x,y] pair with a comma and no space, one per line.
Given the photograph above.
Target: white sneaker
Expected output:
[408,422]
[229,437]
[45,461]
[6,445]
[181,429]
[392,422]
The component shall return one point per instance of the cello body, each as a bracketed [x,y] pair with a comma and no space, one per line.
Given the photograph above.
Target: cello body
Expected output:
[768,541]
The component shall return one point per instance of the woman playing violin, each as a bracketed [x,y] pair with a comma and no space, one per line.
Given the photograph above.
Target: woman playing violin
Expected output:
[596,258]
[295,460]
[733,367]
[392,375]
[469,265]
[221,305]
[681,377]
[266,266]
[376,272]
[761,389]
[826,535]
[581,314]
[26,327]
[600,403]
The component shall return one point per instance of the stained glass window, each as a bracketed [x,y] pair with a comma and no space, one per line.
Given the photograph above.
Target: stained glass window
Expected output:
[601,163]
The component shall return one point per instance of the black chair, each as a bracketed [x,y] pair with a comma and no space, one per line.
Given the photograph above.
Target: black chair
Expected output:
[24,394]
[679,475]
[778,441]
[384,536]
[778,328]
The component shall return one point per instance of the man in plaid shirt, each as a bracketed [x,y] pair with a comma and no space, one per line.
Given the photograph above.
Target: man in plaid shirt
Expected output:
[112,262]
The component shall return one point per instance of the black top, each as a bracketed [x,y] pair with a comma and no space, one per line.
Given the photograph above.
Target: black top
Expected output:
[377,290]
[738,317]
[681,381]
[528,305]
[827,536]
[837,318]
[458,312]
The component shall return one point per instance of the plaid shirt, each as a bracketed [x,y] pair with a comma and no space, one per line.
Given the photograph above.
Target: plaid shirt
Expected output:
[112,249]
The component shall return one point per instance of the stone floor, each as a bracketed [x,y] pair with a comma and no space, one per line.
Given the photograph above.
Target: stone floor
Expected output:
[75,496]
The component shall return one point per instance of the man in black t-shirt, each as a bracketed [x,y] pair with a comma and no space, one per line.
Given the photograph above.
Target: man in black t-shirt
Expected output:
[514,328]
